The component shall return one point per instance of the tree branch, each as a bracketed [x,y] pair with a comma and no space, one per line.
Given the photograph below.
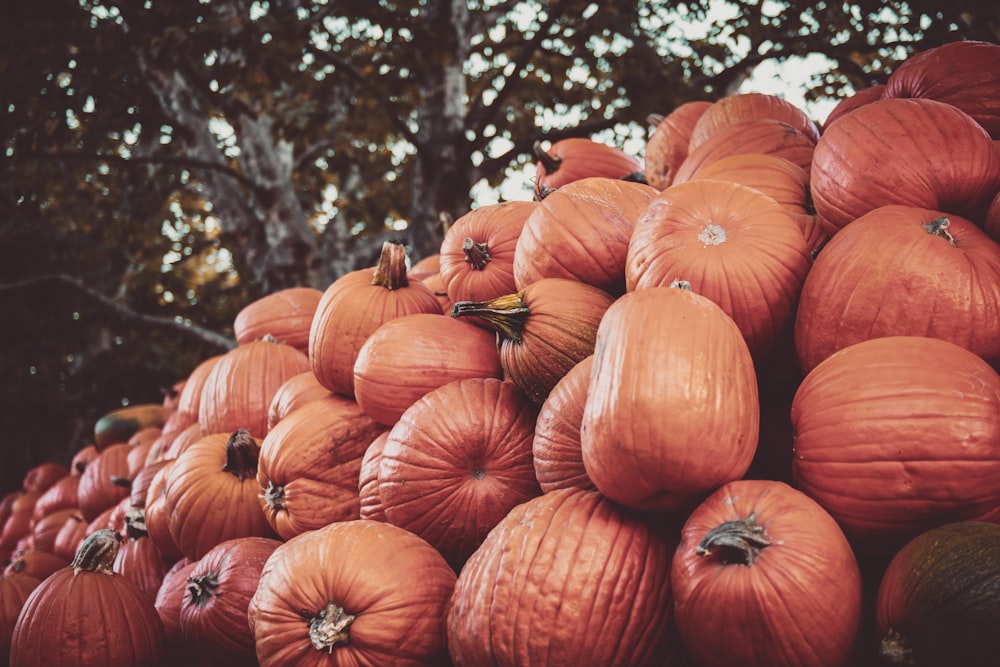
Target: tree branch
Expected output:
[188,329]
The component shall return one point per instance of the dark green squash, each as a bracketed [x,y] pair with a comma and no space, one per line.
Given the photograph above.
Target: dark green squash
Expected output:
[939,599]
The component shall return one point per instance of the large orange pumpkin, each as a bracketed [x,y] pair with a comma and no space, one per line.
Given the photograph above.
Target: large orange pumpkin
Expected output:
[897,435]
[567,578]
[672,410]
[352,593]
[739,107]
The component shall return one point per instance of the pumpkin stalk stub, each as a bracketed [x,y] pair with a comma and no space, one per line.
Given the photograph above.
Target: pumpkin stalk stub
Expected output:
[476,254]
[274,496]
[202,588]
[894,651]
[97,552]
[329,627]
[549,161]
[242,453]
[505,314]
[939,227]
[391,270]
[740,541]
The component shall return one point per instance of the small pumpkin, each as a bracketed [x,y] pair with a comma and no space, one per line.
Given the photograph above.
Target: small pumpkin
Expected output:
[939,599]
[293,392]
[57,624]
[352,592]
[139,559]
[285,315]
[667,146]
[571,159]
[40,477]
[105,481]
[763,576]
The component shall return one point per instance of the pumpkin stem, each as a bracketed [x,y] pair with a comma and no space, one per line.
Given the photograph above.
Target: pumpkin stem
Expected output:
[97,552]
[391,270]
[505,314]
[202,588]
[894,651]
[712,234]
[939,227]
[135,523]
[274,496]
[123,482]
[740,541]
[681,284]
[549,162]
[329,627]
[476,254]
[242,452]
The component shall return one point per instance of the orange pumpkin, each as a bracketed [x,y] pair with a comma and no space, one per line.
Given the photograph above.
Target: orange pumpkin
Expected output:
[571,159]
[294,392]
[667,147]
[556,452]
[285,315]
[733,109]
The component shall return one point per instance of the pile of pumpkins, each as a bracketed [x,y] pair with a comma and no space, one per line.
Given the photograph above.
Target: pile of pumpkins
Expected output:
[735,404]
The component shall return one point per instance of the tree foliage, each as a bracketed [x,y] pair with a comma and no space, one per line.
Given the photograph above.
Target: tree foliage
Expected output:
[178,159]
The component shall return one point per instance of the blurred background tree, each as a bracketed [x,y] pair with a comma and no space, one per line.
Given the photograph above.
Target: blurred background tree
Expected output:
[165,163]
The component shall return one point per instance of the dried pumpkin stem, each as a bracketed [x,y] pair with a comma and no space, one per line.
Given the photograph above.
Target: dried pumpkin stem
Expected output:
[242,452]
[505,314]
[391,270]
[894,651]
[740,541]
[97,552]
[274,496]
[549,162]
[135,523]
[476,254]
[939,227]
[681,284]
[202,588]
[330,627]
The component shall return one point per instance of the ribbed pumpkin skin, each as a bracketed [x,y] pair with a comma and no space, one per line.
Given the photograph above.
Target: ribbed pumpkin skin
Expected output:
[189,401]
[457,461]
[412,355]
[351,309]
[913,152]
[239,389]
[97,490]
[579,158]
[919,415]
[581,232]
[471,275]
[14,591]
[667,146]
[169,598]
[555,447]
[885,274]
[213,613]
[368,493]
[140,561]
[940,597]
[798,604]
[672,409]
[965,74]
[850,103]
[286,315]
[735,245]
[86,620]
[307,475]
[762,135]
[565,579]
[740,107]
[395,585]
[206,504]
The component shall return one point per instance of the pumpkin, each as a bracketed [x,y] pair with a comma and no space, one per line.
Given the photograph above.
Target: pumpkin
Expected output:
[965,74]
[240,387]
[898,271]
[307,472]
[140,485]
[939,599]
[672,410]
[543,330]
[121,423]
[763,576]
[555,446]
[285,315]
[566,578]
[70,535]
[425,268]
[919,415]
[40,477]
[368,495]
[18,523]
[571,159]
[352,592]
[189,402]
[14,590]
[858,98]
[45,529]
[477,253]
[170,597]
[409,356]
[294,392]
[59,624]
[61,495]
[35,563]
[213,613]
[580,232]
[184,439]
[739,247]
[156,514]
[739,107]
[760,135]
[210,493]
[456,462]
[667,146]
[913,152]
[353,307]
[105,481]
[991,225]
[82,458]
[139,559]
